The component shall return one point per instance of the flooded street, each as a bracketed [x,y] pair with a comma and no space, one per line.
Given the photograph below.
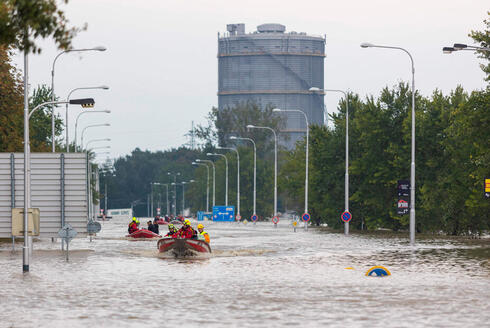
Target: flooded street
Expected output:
[258,277]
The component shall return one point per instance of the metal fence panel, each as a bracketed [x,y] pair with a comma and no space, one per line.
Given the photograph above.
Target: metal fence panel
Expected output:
[46,190]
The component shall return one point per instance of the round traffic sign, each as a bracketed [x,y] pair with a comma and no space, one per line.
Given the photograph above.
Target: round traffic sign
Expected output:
[254,218]
[275,219]
[306,217]
[238,217]
[346,216]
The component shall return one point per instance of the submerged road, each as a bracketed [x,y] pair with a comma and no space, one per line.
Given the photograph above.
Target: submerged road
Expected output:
[258,277]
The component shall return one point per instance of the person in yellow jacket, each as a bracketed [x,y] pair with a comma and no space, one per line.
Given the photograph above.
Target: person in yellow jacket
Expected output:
[202,234]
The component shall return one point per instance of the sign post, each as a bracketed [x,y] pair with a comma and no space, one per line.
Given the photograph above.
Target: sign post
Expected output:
[254,218]
[275,220]
[306,217]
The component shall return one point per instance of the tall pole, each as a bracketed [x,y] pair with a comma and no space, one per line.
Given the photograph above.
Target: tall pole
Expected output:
[226,175]
[255,169]
[214,177]
[27,168]
[76,123]
[306,152]
[183,197]
[166,185]
[412,162]
[105,198]
[237,176]
[207,184]
[151,193]
[275,162]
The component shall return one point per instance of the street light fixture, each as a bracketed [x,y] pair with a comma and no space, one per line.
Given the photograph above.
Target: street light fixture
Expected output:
[214,177]
[76,122]
[27,171]
[103,87]
[96,140]
[237,177]
[250,126]
[175,190]
[278,110]
[255,169]
[99,48]
[183,194]
[461,46]
[207,184]
[91,126]
[226,174]
[412,164]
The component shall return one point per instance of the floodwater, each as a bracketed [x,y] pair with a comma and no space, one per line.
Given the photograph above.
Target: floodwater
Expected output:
[258,277]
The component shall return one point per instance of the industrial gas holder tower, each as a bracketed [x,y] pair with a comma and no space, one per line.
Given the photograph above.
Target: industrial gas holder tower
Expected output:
[272,67]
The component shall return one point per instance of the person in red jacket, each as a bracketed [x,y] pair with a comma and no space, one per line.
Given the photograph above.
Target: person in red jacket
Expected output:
[186,231]
[172,231]
[133,226]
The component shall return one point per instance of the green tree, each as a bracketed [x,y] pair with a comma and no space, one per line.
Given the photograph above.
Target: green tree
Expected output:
[23,21]
[483,38]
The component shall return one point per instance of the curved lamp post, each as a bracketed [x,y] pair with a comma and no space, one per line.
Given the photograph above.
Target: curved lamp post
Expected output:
[412,164]
[175,190]
[27,170]
[462,46]
[255,169]
[226,174]
[103,87]
[237,176]
[96,140]
[214,177]
[346,183]
[100,48]
[78,116]
[275,162]
[207,184]
[278,110]
[91,126]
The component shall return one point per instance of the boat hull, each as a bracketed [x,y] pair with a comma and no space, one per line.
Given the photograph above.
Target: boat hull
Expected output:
[143,234]
[184,248]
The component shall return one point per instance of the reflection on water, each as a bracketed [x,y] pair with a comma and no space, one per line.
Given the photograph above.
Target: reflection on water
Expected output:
[258,276]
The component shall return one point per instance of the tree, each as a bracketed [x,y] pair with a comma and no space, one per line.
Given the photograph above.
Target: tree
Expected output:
[483,38]
[22,21]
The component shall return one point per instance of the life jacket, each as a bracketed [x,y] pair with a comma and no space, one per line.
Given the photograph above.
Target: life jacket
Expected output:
[186,233]
[132,227]
[204,235]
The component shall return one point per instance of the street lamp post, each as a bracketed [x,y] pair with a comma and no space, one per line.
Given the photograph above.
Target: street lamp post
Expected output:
[461,46]
[237,178]
[306,154]
[214,177]
[275,162]
[27,163]
[166,186]
[91,126]
[412,164]
[76,122]
[226,174]
[207,185]
[175,190]
[183,194]
[103,87]
[96,140]
[346,183]
[52,85]
[255,169]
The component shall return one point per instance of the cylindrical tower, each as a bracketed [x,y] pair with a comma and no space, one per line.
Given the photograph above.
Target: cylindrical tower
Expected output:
[271,67]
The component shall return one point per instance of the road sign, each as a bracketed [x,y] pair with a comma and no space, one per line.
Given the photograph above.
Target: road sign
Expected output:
[67,232]
[403,191]
[254,218]
[306,217]
[224,213]
[93,227]
[238,217]
[275,219]
[295,223]
[158,210]
[487,187]
[346,216]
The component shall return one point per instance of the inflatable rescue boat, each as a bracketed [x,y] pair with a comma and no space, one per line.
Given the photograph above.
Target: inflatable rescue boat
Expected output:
[184,247]
[142,234]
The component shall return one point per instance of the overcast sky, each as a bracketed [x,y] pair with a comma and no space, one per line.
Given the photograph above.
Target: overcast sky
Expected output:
[161,62]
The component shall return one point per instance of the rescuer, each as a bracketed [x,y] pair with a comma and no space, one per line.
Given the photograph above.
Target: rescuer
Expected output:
[172,231]
[186,231]
[202,235]
[133,225]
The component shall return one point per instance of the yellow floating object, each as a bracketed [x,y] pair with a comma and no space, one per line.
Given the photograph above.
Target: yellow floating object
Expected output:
[295,223]
[378,271]
[245,221]
[349,268]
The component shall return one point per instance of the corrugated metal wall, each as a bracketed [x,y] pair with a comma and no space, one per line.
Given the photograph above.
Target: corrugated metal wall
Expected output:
[46,190]
[273,69]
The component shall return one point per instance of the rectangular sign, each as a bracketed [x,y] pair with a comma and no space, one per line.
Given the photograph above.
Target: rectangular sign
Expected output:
[224,213]
[486,192]
[403,191]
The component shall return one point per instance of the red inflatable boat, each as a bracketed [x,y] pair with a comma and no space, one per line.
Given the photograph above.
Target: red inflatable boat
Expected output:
[184,247]
[161,221]
[143,233]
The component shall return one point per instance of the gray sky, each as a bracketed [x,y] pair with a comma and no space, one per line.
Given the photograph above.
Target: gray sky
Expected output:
[161,60]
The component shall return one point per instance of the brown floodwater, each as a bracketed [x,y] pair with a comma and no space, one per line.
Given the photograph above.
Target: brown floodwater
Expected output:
[258,276]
